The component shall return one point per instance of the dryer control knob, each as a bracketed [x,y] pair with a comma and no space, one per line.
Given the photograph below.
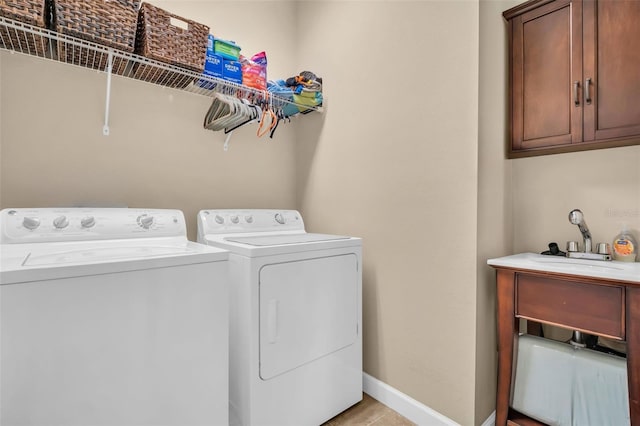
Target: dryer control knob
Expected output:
[219,219]
[60,222]
[248,219]
[235,219]
[88,222]
[145,221]
[279,218]
[31,222]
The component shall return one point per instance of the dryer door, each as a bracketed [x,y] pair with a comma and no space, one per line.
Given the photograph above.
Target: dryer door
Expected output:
[308,309]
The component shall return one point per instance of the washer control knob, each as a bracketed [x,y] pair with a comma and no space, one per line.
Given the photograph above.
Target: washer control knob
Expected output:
[31,222]
[60,222]
[248,219]
[279,218]
[219,219]
[235,219]
[145,221]
[88,222]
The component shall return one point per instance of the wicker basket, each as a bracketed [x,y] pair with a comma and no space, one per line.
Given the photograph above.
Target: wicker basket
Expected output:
[110,23]
[171,39]
[32,12]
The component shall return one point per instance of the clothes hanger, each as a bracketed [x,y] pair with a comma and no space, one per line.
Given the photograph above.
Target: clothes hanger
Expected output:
[279,117]
[251,114]
[267,116]
[224,111]
[219,109]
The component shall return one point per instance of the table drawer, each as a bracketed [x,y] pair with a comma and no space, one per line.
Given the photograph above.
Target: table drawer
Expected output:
[593,308]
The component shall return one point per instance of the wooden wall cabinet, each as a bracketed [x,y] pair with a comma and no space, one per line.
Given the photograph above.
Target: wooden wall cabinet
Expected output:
[574,75]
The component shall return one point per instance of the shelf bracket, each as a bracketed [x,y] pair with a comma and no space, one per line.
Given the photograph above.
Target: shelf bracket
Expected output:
[105,128]
[225,147]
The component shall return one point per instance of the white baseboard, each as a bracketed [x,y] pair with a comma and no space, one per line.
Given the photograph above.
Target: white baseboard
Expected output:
[408,407]
[403,404]
[491,420]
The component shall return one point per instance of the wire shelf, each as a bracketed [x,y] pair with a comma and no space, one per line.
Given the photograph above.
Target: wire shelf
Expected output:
[23,38]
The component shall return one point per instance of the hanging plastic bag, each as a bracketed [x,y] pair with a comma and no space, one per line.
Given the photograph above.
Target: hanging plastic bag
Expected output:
[254,71]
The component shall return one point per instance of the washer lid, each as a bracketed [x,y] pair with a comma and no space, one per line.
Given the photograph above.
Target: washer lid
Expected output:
[275,240]
[48,261]
[93,255]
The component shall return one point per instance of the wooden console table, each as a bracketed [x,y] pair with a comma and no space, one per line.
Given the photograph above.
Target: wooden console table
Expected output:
[594,305]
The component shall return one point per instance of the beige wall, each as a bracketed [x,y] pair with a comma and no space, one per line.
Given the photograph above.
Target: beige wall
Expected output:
[396,163]
[495,221]
[604,184]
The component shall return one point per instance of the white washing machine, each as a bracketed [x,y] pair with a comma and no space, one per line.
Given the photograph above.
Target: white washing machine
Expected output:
[110,317]
[295,317]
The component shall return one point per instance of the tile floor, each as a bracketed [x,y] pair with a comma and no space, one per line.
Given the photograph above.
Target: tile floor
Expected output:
[369,412]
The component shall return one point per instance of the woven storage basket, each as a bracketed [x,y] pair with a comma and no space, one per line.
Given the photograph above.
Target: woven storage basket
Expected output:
[32,12]
[110,23]
[171,39]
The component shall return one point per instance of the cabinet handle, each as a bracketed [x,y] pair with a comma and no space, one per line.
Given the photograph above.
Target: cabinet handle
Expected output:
[587,90]
[576,100]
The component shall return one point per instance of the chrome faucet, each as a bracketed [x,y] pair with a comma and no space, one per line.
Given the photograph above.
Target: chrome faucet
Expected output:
[577,218]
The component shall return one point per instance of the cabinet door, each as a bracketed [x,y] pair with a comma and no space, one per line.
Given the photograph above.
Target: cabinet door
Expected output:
[611,69]
[546,74]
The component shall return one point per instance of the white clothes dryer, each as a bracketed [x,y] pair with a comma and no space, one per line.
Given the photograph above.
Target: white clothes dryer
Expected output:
[295,317]
[110,317]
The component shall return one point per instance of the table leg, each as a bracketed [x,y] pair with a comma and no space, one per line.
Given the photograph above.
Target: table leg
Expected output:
[507,339]
[633,352]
